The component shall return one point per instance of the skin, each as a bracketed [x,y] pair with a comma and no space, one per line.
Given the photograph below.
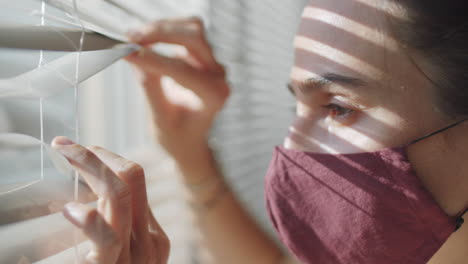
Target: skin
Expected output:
[346,118]
[391,105]
[122,229]
[229,235]
[384,101]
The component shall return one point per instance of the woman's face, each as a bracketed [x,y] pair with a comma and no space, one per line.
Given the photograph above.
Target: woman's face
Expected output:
[356,88]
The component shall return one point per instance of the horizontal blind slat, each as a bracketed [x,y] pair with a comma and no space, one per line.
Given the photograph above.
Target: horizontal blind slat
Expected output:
[60,73]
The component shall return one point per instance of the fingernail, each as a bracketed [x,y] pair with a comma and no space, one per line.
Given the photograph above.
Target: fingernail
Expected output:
[74,213]
[132,55]
[63,141]
[134,35]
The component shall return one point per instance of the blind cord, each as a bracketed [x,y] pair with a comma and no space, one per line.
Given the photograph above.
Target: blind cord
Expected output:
[76,105]
[41,100]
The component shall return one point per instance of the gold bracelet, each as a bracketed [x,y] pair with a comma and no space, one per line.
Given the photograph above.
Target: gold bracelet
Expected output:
[209,204]
[203,184]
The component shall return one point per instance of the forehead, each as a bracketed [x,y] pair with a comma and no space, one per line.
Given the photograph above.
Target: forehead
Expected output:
[344,36]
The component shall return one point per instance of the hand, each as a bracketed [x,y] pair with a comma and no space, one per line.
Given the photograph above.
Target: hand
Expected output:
[182,128]
[122,229]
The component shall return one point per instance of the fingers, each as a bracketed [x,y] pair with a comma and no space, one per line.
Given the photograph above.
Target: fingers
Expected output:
[153,88]
[133,175]
[151,62]
[210,87]
[198,70]
[160,239]
[106,245]
[114,194]
[188,32]
[119,212]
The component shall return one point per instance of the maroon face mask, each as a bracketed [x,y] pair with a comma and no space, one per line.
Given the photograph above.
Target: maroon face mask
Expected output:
[364,208]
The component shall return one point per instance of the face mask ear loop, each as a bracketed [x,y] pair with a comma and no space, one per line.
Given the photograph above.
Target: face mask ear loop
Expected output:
[459,219]
[436,132]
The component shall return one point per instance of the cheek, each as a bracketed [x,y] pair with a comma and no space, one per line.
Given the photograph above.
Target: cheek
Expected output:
[306,111]
[373,130]
[306,134]
[313,131]
[387,128]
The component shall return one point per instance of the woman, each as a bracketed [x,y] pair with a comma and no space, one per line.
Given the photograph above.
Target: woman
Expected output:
[372,171]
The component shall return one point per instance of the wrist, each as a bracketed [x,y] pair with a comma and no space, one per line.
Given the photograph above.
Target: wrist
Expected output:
[197,164]
[205,195]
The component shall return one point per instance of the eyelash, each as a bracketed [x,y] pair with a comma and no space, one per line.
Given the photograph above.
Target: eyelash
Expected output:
[338,111]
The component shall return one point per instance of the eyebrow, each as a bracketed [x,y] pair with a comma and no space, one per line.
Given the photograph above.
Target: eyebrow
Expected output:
[322,81]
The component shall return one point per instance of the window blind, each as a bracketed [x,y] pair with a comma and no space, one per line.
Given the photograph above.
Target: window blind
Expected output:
[42,81]
[37,100]
[254,40]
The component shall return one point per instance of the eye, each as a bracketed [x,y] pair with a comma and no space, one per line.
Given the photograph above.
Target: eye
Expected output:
[338,111]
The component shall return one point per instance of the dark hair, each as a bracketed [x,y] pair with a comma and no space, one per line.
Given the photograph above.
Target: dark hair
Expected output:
[437,32]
